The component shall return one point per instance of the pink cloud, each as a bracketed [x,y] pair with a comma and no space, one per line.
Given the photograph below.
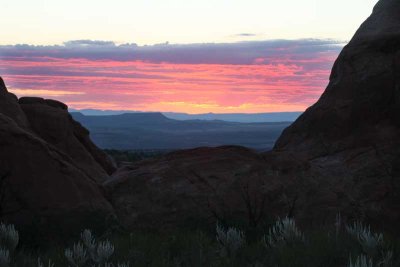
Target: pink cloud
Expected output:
[273,82]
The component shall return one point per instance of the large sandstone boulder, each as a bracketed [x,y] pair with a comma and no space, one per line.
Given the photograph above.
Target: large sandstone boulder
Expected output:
[50,120]
[191,187]
[50,172]
[361,106]
[351,136]
[42,186]
[9,106]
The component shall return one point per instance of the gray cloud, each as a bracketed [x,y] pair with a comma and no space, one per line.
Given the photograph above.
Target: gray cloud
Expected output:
[88,43]
[246,34]
[207,53]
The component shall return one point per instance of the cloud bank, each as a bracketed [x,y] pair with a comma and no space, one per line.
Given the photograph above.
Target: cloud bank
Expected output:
[253,76]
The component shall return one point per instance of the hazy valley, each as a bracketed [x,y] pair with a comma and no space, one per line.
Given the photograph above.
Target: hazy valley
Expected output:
[138,131]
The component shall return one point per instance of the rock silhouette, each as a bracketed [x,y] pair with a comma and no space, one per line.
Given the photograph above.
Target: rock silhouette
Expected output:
[50,120]
[50,172]
[9,106]
[361,105]
[350,137]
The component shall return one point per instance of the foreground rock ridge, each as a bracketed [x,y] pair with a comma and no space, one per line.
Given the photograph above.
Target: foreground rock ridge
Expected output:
[50,170]
[341,156]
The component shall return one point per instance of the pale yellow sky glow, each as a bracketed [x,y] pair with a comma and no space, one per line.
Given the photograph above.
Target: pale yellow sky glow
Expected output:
[178,21]
[41,92]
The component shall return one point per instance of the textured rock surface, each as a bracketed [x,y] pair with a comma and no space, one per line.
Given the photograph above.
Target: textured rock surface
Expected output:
[341,155]
[351,136]
[51,121]
[48,177]
[361,106]
[9,106]
[189,187]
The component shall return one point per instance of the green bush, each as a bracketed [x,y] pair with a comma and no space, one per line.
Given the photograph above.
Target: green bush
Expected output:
[284,245]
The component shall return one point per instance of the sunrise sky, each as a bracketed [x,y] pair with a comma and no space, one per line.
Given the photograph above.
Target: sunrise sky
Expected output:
[219,56]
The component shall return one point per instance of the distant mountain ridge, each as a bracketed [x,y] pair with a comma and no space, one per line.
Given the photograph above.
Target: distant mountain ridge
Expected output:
[121,120]
[155,131]
[231,117]
[237,117]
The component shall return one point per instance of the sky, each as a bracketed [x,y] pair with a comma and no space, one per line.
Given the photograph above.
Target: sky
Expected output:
[219,56]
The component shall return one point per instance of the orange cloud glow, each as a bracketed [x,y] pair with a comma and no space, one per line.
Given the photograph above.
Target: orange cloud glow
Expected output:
[266,84]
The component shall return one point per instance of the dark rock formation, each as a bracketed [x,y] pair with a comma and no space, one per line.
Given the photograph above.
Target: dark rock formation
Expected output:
[190,187]
[341,155]
[51,121]
[351,136]
[50,172]
[9,106]
[361,106]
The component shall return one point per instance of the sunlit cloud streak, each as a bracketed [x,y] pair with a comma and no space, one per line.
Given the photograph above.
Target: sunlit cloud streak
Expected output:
[39,92]
[257,76]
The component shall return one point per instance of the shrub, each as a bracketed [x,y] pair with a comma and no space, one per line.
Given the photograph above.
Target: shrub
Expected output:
[49,264]
[77,256]
[361,261]
[89,250]
[9,237]
[88,240]
[284,232]
[231,240]
[370,242]
[196,249]
[356,229]
[4,258]
[104,252]
[387,259]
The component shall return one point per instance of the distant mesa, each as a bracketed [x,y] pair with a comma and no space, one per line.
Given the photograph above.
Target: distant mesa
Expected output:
[230,117]
[154,131]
